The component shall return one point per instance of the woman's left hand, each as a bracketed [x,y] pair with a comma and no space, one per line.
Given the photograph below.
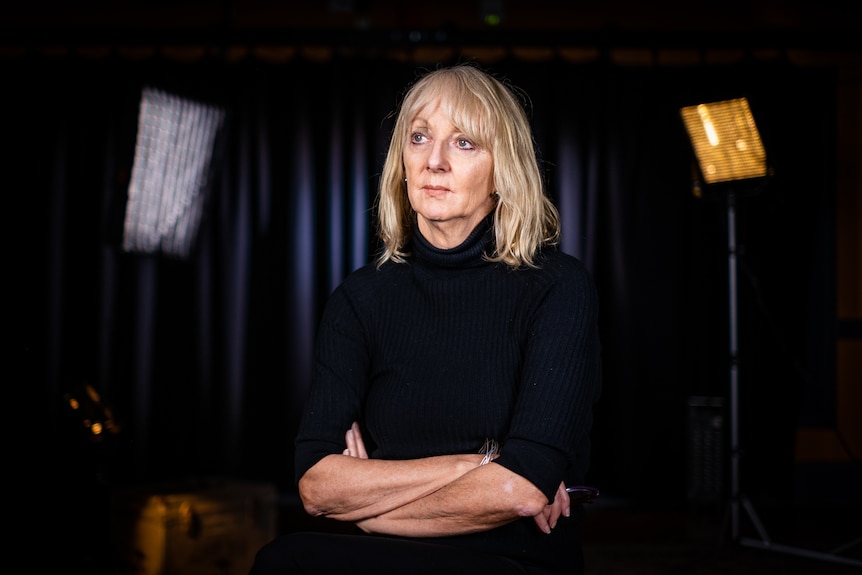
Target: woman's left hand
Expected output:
[355,444]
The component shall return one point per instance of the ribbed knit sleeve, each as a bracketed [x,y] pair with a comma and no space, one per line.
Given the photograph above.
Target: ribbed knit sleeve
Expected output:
[560,379]
[339,384]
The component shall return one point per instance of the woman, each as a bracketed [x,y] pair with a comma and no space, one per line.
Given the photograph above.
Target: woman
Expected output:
[455,377]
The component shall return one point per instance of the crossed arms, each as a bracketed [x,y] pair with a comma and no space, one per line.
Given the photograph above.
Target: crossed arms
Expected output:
[428,497]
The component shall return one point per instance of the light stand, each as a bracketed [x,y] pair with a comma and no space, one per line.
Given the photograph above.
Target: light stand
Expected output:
[729,149]
[737,498]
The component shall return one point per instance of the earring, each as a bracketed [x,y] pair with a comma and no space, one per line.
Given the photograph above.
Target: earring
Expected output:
[405,180]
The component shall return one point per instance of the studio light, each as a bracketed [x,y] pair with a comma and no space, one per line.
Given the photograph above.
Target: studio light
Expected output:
[170,174]
[725,140]
[728,148]
[731,156]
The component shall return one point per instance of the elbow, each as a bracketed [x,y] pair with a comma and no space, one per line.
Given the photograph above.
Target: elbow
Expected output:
[524,498]
[531,506]
[531,501]
[310,498]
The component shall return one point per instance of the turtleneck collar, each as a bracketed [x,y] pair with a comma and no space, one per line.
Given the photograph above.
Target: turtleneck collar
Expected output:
[468,254]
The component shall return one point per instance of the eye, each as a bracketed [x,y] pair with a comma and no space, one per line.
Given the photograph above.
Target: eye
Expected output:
[464,144]
[417,138]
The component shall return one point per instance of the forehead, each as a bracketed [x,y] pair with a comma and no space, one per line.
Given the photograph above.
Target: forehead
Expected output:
[435,109]
[457,111]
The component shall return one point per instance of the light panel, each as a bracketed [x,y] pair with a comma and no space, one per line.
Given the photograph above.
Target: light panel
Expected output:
[725,140]
[173,152]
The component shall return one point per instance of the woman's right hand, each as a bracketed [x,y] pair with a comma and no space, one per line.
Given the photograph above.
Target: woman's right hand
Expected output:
[561,505]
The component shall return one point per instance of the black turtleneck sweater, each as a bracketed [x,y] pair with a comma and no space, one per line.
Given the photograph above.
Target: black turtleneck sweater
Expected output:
[435,355]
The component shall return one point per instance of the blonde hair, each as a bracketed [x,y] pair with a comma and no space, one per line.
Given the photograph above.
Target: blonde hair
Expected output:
[489,113]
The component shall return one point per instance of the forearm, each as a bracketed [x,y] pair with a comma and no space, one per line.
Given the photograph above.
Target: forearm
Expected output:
[487,497]
[352,489]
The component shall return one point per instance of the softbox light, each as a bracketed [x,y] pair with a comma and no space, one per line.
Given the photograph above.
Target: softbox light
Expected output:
[725,140]
[170,173]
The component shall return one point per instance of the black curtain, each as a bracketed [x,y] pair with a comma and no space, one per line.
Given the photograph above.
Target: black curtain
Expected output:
[206,360]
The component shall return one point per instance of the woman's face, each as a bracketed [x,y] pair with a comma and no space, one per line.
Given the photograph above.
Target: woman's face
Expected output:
[450,180]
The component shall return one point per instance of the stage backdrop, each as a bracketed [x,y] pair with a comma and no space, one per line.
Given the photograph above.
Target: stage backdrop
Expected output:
[205,360]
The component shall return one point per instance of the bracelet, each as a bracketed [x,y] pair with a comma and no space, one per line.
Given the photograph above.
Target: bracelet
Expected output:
[490,448]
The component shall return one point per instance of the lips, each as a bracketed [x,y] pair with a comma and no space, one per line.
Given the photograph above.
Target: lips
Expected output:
[435,191]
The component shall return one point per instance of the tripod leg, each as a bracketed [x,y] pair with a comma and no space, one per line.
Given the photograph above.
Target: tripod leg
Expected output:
[752,514]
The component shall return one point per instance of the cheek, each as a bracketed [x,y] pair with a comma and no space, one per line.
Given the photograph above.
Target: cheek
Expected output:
[414,198]
[412,160]
[482,183]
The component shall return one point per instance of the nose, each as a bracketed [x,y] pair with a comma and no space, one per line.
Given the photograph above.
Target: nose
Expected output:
[437,159]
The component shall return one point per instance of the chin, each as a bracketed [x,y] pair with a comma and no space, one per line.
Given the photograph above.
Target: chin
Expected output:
[434,215]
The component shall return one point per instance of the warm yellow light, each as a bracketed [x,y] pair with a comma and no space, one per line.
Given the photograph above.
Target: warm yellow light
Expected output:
[725,140]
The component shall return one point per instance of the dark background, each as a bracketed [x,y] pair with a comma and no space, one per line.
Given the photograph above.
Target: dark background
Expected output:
[205,360]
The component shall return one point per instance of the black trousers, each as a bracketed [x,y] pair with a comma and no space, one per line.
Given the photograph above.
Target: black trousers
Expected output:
[324,553]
